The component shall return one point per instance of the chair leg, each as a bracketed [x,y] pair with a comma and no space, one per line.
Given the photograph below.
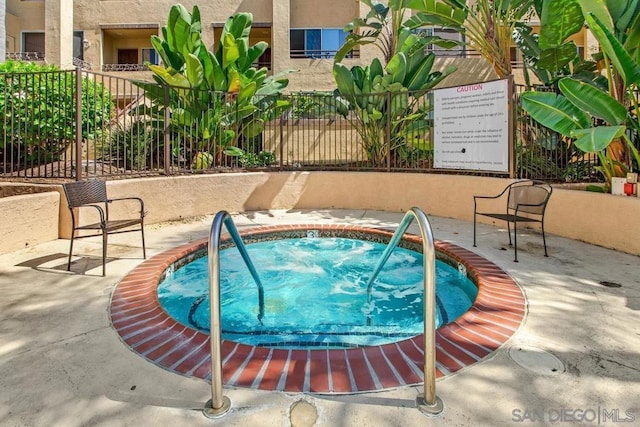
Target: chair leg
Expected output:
[515,240]
[509,230]
[70,251]
[104,252]
[544,241]
[144,251]
[474,229]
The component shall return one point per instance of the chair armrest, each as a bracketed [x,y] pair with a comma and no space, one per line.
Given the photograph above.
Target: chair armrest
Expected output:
[488,197]
[497,196]
[142,212]
[99,208]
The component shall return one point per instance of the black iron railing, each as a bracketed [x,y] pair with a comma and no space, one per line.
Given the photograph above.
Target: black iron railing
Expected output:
[74,124]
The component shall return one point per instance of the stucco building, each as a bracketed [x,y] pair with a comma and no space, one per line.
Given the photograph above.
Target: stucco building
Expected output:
[114,35]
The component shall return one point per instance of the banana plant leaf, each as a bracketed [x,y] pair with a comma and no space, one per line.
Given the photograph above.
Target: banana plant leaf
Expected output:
[194,70]
[555,112]
[152,91]
[253,128]
[420,143]
[413,126]
[215,75]
[182,117]
[397,67]
[417,77]
[240,26]
[556,58]
[632,43]
[252,54]
[623,13]
[344,80]
[562,18]
[236,114]
[399,104]
[272,85]
[176,80]
[247,92]
[169,57]
[596,139]
[593,100]
[177,25]
[233,151]
[624,63]
[230,51]
[437,13]
[598,8]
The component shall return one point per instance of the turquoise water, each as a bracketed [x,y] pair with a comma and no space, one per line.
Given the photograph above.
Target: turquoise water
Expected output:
[315,294]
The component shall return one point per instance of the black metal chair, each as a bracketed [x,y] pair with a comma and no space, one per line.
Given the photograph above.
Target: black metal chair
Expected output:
[526,202]
[93,194]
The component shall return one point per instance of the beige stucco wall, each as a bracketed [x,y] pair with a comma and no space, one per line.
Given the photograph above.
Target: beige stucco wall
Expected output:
[317,74]
[311,74]
[600,219]
[327,14]
[314,141]
[28,220]
[30,14]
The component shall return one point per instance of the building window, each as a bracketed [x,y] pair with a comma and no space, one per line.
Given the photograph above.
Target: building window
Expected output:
[149,55]
[78,44]
[33,43]
[316,42]
[127,56]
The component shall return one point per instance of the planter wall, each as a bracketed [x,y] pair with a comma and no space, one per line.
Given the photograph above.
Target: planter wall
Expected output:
[600,219]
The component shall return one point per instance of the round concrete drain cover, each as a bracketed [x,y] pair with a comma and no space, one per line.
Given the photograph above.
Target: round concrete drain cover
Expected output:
[536,360]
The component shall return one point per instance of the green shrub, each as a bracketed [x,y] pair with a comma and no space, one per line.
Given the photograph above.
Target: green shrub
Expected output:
[136,146]
[254,160]
[38,103]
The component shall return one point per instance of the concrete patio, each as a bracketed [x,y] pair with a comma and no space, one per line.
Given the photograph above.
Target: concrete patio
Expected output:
[62,364]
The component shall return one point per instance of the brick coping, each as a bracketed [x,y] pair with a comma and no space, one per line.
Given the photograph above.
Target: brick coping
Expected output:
[149,331]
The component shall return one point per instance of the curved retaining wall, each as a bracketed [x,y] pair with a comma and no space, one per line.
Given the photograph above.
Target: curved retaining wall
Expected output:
[28,220]
[600,219]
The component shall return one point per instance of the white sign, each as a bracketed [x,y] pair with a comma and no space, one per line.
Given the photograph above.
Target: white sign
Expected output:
[471,125]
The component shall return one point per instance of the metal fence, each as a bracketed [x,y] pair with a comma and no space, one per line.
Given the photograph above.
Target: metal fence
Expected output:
[74,124]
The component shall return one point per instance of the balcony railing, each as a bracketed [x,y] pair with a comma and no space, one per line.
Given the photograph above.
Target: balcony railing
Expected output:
[25,56]
[124,67]
[320,54]
[82,63]
[466,53]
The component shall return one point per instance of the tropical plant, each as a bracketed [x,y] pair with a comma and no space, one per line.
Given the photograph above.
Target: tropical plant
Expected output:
[255,160]
[40,104]
[311,105]
[217,99]
[551,54]
[136,145]
[382,25]
[487,25]
[389,102]
[583,103]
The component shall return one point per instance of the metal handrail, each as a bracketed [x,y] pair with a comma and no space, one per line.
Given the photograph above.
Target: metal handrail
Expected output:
[220,404]
[427,402]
